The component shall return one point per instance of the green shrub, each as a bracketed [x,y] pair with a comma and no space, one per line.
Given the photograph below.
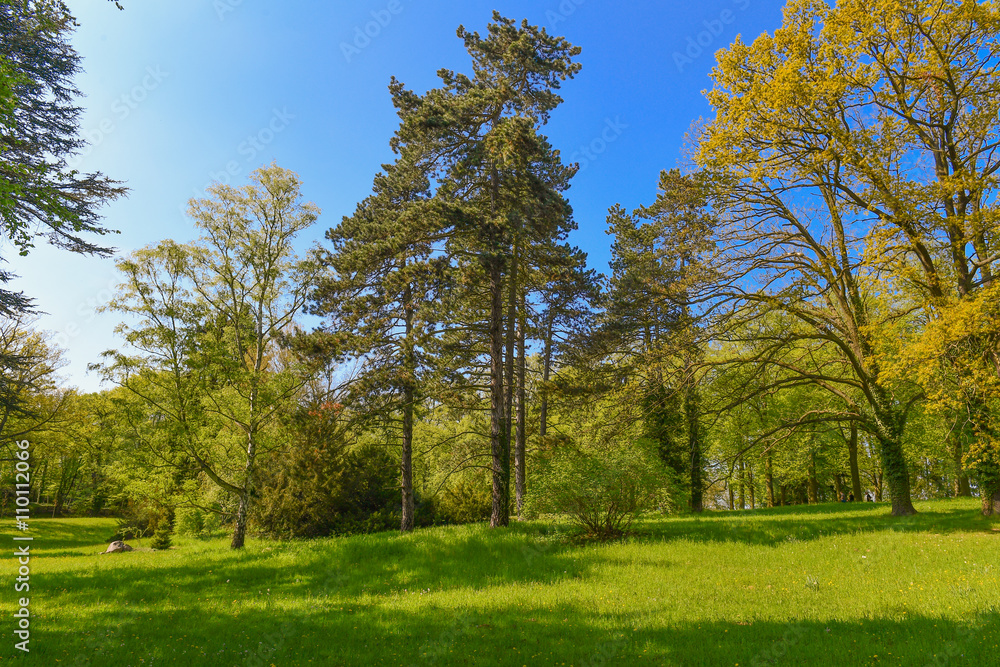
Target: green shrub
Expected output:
[135,522]
[467,500]
[314,492]
[190,522]
[164,530]
[601,487]
[211,522]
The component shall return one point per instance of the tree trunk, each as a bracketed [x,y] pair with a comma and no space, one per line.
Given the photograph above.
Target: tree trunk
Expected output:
[406,463]
[240,524]
[753,502]
[69,471]
[519,445]
[991,501]
[852,457]
[692,410]
[500,515]
[987,471]
[769,477]
[838,488]
[989,488]
[543,420]
[894,468]
[784,494]
[406,457]
[41,483]
[732,502]
[243,507]
[962,487]
[743,486]
[97,497]
[813,484]
[510,338]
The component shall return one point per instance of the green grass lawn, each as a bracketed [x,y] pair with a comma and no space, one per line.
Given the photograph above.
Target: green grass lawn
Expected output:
[825,585]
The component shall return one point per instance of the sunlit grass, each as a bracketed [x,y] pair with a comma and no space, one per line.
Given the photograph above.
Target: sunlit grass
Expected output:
[826,585]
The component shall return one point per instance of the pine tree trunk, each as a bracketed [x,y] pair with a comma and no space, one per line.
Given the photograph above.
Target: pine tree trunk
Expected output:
[508,375]
[406,464]
[543,420]
[500,515]
[406,458]
[519,445]
[852,457]
[510,338]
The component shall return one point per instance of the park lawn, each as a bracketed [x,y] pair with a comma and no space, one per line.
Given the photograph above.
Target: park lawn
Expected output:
[832,584]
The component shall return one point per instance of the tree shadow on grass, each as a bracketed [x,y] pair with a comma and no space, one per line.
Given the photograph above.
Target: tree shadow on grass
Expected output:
[908,640]
[469,557]
[506,634]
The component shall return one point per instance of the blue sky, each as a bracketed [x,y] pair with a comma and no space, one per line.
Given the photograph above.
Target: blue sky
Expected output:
[179,94]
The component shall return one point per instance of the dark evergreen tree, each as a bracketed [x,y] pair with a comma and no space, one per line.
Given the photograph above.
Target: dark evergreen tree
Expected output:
[501,182]
[377,299]
[39,125]
[661,271]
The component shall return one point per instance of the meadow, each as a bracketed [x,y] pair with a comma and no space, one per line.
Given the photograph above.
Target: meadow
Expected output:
[831,584]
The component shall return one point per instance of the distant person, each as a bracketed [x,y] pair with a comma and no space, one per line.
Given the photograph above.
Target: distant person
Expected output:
[850,497]
[868,497]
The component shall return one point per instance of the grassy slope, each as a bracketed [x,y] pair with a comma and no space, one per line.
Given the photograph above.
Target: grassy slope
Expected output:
[826,585]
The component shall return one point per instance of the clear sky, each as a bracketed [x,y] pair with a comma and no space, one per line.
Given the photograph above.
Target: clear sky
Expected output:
[178,94]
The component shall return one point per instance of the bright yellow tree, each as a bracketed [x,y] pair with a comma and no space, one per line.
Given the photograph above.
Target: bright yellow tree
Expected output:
[880,118]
